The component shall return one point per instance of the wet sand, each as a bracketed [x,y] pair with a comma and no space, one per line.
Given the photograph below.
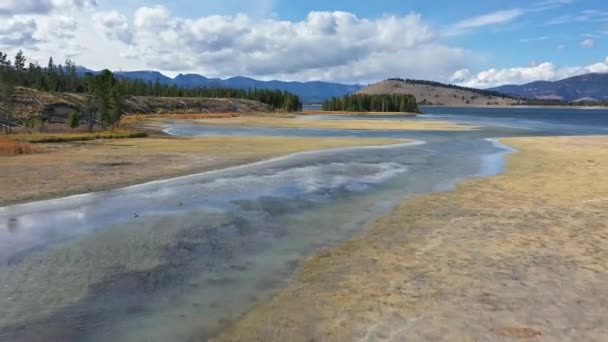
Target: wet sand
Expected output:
[407,125]
[80,167]
[521,255]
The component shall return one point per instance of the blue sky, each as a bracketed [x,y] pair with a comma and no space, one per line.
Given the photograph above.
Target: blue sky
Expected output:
[477,43]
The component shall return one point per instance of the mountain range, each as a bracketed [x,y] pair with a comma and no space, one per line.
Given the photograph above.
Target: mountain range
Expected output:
[587,87]
[309,92]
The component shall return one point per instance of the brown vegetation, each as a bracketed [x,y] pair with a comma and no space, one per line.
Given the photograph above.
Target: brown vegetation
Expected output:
[10,147]
[37,138]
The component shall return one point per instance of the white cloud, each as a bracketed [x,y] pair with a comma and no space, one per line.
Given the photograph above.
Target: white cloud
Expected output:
[325,45]
[588,43]
[115,26]
[18,32]
[11,7]
[591,15]
[494,18]
[535,39]
[549,5]
[545,71]
[334,46]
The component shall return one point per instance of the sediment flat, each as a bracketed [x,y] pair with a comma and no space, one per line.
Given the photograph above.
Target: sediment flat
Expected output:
[283,122]
[521,255]
[80,167]
[339,112]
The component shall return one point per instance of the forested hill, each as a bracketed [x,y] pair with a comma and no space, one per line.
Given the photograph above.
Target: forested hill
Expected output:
[58,78]
[435,93]
[308,92]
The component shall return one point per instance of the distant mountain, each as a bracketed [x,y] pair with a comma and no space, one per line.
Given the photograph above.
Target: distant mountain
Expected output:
[435,93]
[309,92]
[147,76]
[587,87]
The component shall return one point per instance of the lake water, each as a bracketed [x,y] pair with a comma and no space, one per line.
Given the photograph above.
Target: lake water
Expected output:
[176,260]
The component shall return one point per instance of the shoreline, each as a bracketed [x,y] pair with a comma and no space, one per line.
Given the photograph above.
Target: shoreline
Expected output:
[520,107]
[346,124]
[236,166]
[480,262]
[69,169]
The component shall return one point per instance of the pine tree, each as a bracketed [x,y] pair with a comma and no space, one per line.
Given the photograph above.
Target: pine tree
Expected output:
[73,120]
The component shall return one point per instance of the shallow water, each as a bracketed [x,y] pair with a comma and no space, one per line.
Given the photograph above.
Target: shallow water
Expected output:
[178,259]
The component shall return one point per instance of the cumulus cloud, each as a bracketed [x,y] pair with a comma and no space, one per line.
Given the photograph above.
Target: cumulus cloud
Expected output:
[545,71]
[12,7]
[18,32]
[115,26]
[325,45]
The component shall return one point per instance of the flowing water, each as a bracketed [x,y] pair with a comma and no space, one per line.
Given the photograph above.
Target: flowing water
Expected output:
[176,260]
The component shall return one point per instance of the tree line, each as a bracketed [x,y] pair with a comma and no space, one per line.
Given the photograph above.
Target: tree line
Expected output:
[108,91]
[372,103]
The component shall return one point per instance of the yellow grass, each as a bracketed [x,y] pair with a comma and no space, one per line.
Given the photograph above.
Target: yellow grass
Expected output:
[37,138]
[337,124]
[518,256]
[133,119]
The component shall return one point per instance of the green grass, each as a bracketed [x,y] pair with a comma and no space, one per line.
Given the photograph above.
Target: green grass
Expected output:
[67,137]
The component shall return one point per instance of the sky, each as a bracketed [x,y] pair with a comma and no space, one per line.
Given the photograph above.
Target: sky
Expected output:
[472,43]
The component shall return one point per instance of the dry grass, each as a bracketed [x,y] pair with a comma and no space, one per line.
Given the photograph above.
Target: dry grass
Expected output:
[10,147]
[520,255]
[79,167]
[436,95]
[37,138]
[134,119]
[254,121]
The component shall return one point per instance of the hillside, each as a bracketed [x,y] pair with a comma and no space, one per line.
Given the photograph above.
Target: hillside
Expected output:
[434,93]
[309,92]
[55,107]
[587,87]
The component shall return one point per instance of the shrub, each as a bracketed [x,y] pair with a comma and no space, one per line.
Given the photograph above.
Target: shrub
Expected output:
[9,147]
[73,120]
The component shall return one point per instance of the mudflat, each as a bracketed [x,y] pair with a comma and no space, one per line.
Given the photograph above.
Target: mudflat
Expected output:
[80,167]
[521,255]
[258,121]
